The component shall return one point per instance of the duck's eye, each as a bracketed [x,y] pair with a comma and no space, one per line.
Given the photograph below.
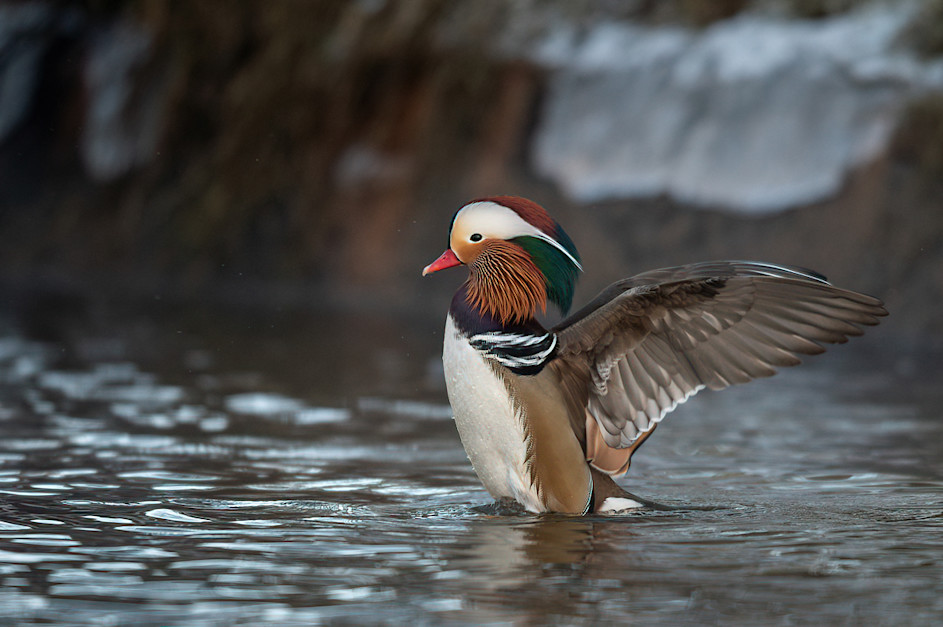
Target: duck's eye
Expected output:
[475,237]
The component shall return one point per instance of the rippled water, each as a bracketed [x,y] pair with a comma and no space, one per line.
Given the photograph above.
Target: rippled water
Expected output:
[222,470]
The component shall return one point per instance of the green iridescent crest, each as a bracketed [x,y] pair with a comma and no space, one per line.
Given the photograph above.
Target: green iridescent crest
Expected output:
[559,270]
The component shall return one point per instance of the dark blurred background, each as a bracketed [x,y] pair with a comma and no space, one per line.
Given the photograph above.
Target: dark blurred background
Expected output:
[310,154]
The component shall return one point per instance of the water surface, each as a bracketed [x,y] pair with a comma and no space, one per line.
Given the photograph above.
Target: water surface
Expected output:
[295,470]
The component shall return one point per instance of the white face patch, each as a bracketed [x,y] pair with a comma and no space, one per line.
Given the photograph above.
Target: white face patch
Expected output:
[489,220]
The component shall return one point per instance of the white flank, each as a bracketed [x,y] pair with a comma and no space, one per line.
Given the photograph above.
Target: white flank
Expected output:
[618,504]
[487,422]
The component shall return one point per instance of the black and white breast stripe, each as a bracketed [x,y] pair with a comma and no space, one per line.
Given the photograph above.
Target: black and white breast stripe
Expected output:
[522,353]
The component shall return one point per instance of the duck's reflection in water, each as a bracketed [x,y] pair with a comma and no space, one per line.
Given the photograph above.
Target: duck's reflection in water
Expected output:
[509,551]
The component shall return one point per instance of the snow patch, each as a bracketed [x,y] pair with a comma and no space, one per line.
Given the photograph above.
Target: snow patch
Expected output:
[756,114]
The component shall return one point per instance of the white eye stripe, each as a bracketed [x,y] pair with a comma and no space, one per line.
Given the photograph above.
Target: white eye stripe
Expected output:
[490,219]
[560,247]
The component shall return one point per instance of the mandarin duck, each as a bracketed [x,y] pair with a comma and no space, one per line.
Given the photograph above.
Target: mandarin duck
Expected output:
[549,416]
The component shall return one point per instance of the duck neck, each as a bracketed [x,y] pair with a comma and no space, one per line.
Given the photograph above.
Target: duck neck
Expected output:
[471,319]
[524,348]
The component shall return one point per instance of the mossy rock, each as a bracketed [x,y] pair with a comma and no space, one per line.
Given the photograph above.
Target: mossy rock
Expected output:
[925,32]
[919,136]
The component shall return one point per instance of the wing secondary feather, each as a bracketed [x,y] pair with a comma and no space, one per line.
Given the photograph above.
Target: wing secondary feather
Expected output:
[649,343]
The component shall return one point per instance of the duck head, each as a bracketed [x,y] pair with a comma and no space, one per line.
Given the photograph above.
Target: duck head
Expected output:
[518,258]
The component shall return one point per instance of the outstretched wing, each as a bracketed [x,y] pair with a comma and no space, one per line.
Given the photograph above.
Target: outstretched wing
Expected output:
[648,343]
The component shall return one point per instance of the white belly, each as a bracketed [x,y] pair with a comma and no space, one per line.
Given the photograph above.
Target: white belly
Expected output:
[490,428]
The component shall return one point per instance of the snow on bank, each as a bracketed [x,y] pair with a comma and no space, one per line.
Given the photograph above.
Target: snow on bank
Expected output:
[757,113]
